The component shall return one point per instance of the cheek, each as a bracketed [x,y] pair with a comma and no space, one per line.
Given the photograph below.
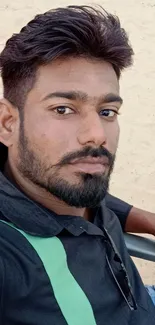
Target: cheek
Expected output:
[113,132]
[53,139]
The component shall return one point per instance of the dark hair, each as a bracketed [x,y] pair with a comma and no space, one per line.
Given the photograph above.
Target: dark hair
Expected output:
[70,31]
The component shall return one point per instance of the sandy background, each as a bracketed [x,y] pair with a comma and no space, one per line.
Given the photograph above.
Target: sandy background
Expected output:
[134,177]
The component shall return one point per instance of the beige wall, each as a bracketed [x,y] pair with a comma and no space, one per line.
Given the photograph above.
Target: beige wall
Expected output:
[134,177]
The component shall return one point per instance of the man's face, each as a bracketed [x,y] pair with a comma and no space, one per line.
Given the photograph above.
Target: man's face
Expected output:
[69,133]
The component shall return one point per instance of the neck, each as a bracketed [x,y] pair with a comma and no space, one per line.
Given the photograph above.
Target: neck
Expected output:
[43,197]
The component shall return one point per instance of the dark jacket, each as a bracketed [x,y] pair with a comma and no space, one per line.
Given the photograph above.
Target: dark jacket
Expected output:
[54,269]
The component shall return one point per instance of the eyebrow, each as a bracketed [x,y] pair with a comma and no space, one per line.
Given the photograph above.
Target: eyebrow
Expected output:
[79,95]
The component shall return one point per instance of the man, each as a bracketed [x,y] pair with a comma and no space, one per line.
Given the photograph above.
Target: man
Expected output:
[63,258]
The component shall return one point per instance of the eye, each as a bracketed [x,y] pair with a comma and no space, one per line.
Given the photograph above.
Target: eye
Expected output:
[109,113]
[63,110]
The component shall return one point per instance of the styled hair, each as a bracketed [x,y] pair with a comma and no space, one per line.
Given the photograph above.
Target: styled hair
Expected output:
[62,32]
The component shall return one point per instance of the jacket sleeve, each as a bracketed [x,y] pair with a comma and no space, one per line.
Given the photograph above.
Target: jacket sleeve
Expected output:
[119,207]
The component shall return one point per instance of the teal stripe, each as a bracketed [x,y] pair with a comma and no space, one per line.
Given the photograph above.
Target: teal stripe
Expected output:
[72,300]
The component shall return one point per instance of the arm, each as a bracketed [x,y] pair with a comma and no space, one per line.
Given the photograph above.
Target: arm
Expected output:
[132,219]
[140,221]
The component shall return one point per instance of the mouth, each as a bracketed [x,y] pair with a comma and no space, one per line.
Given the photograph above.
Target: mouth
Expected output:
[91,160]
[91,165]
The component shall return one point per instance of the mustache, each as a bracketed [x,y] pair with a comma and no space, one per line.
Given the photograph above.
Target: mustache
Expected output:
[87,152]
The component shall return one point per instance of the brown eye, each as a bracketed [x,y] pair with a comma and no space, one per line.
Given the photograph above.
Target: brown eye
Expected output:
[108,113]
[63,110]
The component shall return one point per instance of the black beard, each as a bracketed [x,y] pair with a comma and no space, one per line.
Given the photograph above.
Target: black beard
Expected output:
[88,193]
[91,188]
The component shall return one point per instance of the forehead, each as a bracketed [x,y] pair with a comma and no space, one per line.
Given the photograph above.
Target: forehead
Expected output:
[91,76]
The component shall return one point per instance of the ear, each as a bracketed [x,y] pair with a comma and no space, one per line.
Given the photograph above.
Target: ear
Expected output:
[9,118]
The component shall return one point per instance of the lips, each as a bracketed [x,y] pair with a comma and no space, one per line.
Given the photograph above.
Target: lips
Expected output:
[91,160]
[90,165]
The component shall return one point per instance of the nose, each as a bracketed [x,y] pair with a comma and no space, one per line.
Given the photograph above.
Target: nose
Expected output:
[92,131]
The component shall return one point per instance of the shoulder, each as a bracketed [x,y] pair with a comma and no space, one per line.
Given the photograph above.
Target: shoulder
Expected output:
[14,247]
[109,218]
[18,259]
[118,206]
